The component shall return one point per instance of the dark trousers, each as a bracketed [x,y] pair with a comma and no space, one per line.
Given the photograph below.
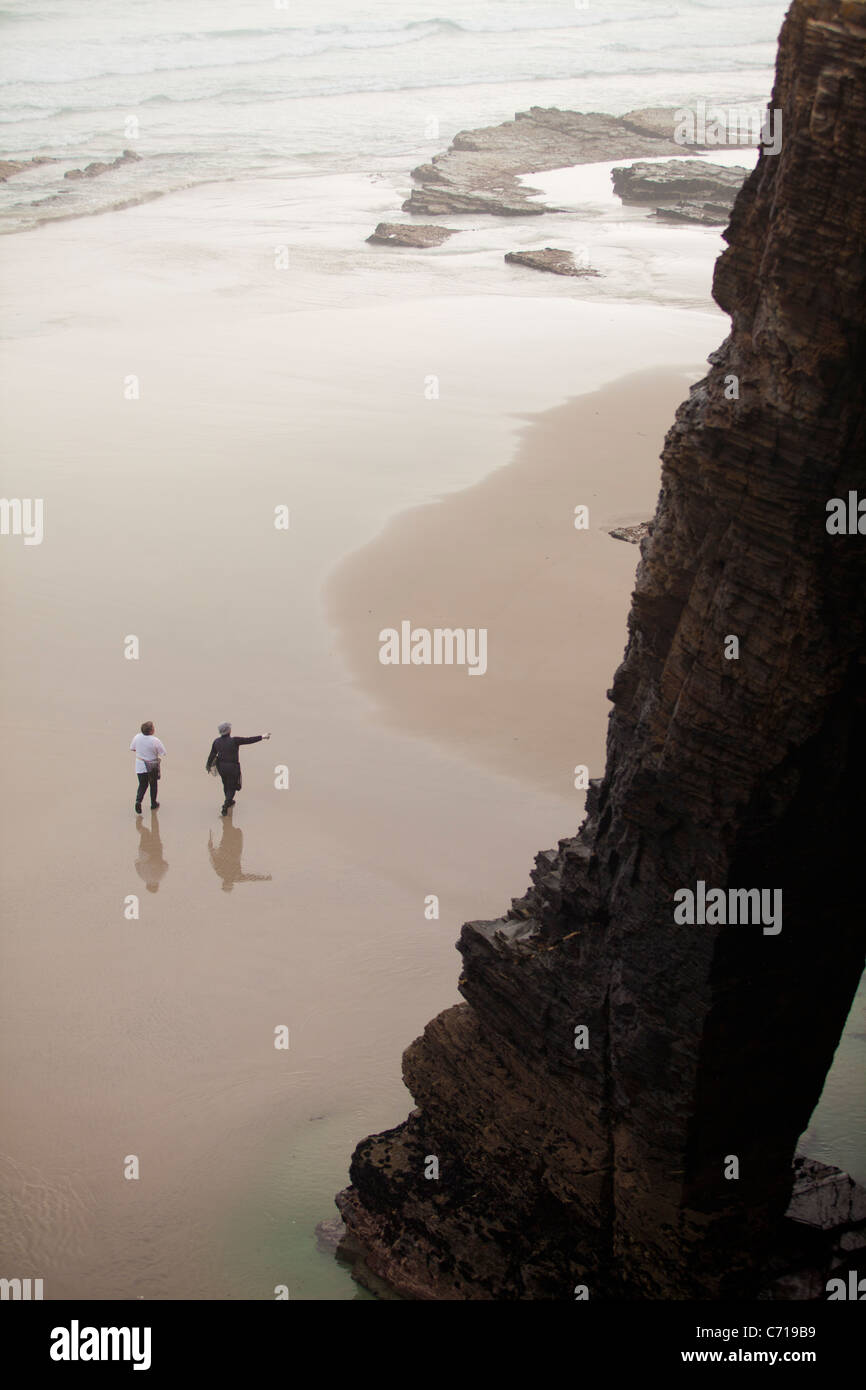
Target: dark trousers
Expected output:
[230,779]
[145,780]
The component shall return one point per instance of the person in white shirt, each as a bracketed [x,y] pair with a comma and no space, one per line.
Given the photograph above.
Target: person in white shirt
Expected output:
[148,750]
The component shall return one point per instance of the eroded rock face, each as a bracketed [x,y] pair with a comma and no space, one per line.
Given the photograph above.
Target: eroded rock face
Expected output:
[97,167]
[10,167]
[634,534]
[479,172]
[552,259]
[409,234]
[684,190]
[605,1164]
[675,179]
[707,214]
[449,202]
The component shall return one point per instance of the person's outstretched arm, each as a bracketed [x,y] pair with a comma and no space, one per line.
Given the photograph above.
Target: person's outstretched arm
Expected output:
[256,738]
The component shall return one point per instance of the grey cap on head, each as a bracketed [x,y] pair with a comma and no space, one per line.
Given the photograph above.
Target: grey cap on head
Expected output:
[224,728]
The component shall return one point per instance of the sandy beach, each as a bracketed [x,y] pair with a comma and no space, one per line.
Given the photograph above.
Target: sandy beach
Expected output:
[430,420]
[505,556]
[154,1036]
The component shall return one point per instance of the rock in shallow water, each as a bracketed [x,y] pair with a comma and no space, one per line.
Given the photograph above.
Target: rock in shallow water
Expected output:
[409,234]
[552,259]
[92,171]
[480,171]
[683,190]
[707,214]
[10,167]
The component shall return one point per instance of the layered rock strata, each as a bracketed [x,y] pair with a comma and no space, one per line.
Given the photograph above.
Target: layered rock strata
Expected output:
[691,210]
[651,1155]
[10,167]
[480,171]
[409,234]
[552,259]
[98,166]
[634,534]
[687,190]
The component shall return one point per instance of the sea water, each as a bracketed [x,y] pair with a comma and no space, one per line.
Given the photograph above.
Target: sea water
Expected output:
[218,89]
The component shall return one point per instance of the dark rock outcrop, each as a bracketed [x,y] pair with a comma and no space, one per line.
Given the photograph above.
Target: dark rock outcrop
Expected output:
[635,534]
[450,202]
[480,170]
[823,1234]
[685,190]
[409,234]
[552,259]
[708,214]
[676,179]
[10,167]
[92,171]
[651,1155]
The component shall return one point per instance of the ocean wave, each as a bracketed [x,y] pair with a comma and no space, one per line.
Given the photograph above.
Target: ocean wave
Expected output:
[688,46]
[165,54]
[21,105]
[578,19]
[32,109]
[250,96]
[118,206]
[137,56]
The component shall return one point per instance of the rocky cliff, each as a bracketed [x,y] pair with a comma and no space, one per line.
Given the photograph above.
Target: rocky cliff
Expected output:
[617,1104]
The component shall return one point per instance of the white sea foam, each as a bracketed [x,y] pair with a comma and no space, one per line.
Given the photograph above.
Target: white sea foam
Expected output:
[217,95]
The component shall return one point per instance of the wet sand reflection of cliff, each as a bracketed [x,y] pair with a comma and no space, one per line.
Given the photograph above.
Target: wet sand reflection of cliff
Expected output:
[150,864]
[226,856]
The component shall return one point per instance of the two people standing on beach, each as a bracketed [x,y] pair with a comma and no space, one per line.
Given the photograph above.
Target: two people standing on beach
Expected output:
[148,750]
[224,754]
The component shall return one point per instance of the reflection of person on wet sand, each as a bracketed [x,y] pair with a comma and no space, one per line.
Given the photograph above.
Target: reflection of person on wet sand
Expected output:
[226,857]
[150,864]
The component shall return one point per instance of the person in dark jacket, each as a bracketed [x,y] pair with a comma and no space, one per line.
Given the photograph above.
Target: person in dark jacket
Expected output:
[224,752]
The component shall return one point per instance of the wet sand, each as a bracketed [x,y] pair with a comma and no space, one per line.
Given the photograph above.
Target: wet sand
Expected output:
[154,1036]
[506,556]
